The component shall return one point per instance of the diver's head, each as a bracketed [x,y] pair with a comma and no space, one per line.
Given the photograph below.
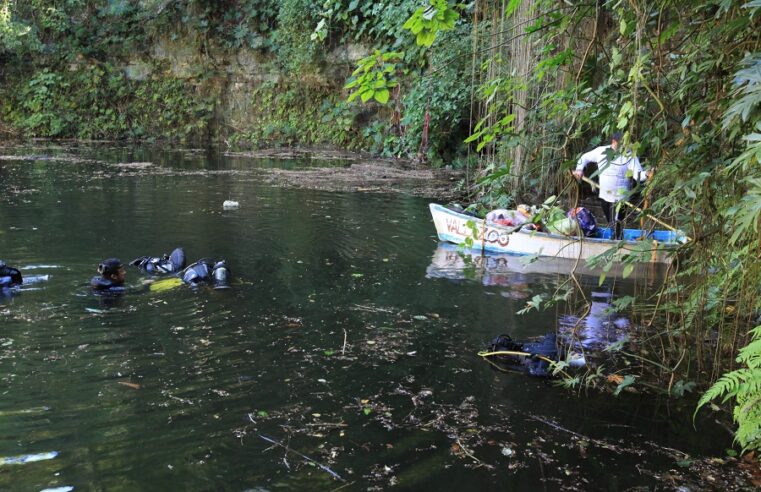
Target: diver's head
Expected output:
[113,270]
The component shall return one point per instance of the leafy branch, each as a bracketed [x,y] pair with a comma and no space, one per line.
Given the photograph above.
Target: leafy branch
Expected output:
[375,76]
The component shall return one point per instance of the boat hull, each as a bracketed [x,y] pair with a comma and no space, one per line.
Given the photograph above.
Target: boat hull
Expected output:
[455,227]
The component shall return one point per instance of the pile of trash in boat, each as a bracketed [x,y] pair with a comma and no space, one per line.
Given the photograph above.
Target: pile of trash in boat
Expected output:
[548,218]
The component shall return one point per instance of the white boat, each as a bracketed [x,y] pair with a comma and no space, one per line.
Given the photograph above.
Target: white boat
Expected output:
[449,261]
[459,228]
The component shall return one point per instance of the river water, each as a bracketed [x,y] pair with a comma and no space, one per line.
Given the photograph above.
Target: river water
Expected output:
[345,339]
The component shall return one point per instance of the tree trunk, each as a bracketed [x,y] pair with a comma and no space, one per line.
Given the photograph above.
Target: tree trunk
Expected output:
[521,58]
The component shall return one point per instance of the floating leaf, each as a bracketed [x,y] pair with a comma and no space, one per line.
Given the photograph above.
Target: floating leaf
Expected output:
[628,380]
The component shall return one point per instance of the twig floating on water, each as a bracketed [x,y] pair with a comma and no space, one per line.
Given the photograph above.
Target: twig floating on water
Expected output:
[323,467]
[372,309]
[470,455]
[342,486]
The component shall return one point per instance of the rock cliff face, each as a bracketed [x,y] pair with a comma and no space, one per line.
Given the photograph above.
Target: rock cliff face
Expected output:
[237,79]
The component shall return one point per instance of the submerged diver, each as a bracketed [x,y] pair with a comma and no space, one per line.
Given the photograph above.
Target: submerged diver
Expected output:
[207,271]
[535,358]
[173,263]
[9,276]
[111,279]
[12,282]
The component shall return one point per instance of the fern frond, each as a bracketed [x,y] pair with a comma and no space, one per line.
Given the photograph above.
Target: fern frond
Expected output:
[751,354]
[750,386]
[729,385]
[755,332]
[748,417]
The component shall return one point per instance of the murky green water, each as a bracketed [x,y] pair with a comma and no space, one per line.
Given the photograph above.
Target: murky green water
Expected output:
[342,339]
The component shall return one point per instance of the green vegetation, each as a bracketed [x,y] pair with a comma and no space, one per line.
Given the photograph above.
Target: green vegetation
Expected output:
[296,114]
[99,102]
[513,89]
[744,386]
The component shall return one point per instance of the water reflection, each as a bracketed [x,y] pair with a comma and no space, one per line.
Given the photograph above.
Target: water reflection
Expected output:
[601,327]
[501,270]
[331,340]
[456,263]
[597,330]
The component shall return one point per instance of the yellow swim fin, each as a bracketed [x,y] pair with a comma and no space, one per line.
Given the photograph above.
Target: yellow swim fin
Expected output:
[165,284]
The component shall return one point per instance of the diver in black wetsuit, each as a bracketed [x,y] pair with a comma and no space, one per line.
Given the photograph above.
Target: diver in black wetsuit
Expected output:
[111,279]
[536,358]
[12,282]
[9,276]
[207,271]
[173,263]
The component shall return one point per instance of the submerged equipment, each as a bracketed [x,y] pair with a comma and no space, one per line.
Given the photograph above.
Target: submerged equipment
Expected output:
[9,276]
[207,271]
[536,358]
[172,263]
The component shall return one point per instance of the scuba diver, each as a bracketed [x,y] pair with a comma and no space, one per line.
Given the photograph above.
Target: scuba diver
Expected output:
[9,276]
[12,282]
[535,358]
[207,271]
[111,279]
[173,263]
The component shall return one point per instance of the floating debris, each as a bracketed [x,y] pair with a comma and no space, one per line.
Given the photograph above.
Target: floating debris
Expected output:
[305,457]
[129,384]
[230,205]
[28,458]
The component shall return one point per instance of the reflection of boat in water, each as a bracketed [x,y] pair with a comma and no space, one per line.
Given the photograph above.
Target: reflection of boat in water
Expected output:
[456,227]
[455,263]
[451,263]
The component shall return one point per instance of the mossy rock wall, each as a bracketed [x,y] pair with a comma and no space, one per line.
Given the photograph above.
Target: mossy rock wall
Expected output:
[182,89]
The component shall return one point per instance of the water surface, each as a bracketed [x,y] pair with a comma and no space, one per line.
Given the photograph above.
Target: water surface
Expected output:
[341,339]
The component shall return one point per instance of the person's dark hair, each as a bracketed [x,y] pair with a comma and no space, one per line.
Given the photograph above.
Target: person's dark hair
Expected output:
[109,266]
[617,136]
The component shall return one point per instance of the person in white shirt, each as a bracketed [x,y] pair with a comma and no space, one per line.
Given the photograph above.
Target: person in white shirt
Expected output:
[616,170]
